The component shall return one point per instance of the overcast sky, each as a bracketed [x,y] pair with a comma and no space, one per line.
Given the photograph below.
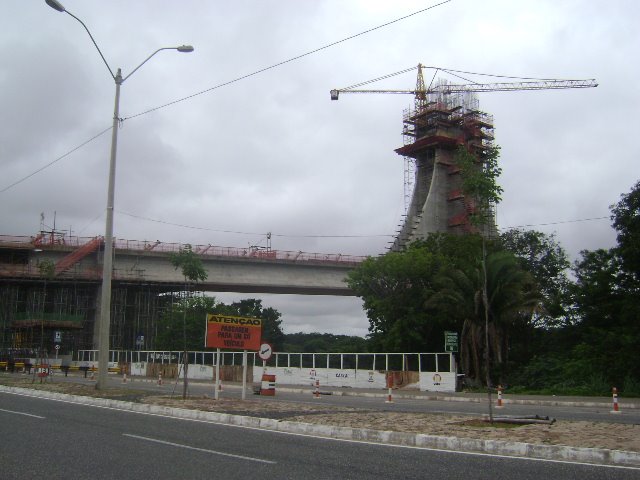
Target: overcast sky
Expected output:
[272,153]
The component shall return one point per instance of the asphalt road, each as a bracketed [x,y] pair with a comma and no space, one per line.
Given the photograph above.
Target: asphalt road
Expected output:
[60,440]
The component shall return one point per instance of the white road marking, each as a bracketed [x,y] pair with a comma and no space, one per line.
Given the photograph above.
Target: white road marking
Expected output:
[21,413]
[215,452]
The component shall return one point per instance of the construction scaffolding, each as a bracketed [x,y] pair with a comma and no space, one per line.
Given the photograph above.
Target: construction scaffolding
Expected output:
[432,132]
[135,312]
[41,315]
[445,117]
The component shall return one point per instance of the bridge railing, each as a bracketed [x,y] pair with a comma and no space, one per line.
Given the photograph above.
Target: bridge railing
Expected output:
[164,247]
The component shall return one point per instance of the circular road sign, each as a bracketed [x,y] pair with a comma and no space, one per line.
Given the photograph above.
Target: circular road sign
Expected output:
[265,351]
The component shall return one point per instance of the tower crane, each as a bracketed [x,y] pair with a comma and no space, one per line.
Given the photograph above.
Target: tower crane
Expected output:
[446,117]
[420,92]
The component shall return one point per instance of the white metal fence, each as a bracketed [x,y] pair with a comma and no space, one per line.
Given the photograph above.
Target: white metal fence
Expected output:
[416,362]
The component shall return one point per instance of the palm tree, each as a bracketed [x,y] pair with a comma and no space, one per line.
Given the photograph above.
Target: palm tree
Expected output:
[510,296]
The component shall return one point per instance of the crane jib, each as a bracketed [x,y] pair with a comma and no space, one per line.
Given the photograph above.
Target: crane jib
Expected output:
[482,87]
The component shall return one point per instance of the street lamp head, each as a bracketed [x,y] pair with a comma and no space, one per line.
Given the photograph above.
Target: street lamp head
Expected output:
[181,48]
[55,5]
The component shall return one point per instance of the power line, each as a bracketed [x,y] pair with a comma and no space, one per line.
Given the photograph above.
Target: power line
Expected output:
[229,83]
[282,235]
[55,161]
[284,62]
[560,222]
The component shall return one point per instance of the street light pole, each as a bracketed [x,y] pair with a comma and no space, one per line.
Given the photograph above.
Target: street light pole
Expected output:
[107,262]
[107,259]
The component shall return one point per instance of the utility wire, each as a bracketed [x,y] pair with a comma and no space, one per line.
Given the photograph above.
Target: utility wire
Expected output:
[55,161]
[284,62]
[163,222]
[225,84]
[561,222]
[282,235]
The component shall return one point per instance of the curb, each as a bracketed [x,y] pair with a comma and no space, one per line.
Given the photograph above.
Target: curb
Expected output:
[493,447]
[445,398]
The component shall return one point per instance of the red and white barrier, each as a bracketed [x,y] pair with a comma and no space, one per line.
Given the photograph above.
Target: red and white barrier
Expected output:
[390,387]
[159,379]
[268,385]
[316,392]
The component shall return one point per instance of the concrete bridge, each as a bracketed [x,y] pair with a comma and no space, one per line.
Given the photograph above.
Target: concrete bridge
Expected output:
[244,270]
[62,308]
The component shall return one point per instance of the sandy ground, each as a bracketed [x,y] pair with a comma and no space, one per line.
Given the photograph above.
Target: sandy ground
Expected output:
[578,434]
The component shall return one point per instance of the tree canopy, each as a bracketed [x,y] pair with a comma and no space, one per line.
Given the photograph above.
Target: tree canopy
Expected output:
[412,297]
[193,311]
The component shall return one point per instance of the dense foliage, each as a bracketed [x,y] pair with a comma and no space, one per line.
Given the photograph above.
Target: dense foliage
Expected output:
[553,327]
[192,311]
[324,343]
[550,329]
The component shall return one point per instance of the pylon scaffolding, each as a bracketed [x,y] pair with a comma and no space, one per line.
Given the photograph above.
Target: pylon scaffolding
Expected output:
[433,131]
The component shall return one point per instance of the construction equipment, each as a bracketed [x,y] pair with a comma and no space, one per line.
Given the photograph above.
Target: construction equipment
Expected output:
[445,117]
[420,92]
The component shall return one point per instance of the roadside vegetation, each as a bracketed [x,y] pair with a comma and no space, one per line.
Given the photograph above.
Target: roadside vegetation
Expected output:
[545,325]
[555,328]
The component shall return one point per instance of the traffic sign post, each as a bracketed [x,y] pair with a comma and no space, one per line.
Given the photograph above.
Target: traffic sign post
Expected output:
[265,353]
[450,341]
[268,381]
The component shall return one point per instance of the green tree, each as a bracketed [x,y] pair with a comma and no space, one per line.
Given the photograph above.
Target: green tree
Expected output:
[194,311]
[324,343]
[626,221]
[394,288]
[542,256]
[480,180]
[607,336]
[510,298]
[271,320]
[192,271]
[597,349]
[172,332]
[189,263]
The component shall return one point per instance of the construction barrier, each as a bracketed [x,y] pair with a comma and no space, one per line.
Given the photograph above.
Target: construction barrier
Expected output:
[499,403]
[389,387]
[268,385]
[43,370]
[316,393]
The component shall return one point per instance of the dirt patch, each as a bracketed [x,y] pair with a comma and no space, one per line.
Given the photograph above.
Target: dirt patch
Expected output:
[577,434]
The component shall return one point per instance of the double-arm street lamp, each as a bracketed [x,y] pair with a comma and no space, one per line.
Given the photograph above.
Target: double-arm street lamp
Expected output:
[105,299]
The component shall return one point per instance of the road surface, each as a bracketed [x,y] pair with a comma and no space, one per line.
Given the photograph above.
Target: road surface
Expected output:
[61,440]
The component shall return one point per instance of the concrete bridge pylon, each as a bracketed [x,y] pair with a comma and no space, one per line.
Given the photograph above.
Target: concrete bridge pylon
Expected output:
[433,131]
